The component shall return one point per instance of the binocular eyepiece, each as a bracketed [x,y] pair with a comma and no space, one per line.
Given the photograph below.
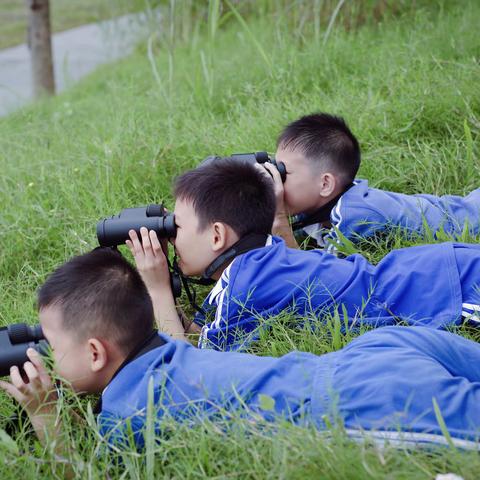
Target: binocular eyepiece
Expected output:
[262,157]
[257,157]
[114,230]
[15,340]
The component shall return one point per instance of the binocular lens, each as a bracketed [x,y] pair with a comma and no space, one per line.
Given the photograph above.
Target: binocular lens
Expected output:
[15,340]
[113,231]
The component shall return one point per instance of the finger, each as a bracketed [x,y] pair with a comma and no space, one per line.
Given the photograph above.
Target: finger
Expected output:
[17,379]
[12,391]
[277,178]
[147,246]
[156,246]
[37,361]
[137,246]
[261,168]
[130,246]
[33,376]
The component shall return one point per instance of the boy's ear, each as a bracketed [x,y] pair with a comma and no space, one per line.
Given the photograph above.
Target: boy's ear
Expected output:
[98,354]
[223,237]
[327,184]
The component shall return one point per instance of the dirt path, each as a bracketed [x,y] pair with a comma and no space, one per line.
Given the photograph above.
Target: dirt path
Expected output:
[76,53]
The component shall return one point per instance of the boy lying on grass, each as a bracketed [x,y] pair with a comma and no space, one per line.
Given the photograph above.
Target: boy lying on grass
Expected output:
[224,212]
[97,316]
[322,157]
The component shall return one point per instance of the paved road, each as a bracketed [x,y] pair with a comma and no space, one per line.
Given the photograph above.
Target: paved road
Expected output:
[76,53]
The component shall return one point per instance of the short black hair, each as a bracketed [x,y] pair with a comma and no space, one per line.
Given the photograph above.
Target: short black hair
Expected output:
[231,191]
[100,293]
[325,140]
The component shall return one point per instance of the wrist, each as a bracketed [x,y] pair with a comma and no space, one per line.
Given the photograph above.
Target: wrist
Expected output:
[281,216]
[157,285]
[281,224]
[43,420]
[163,293]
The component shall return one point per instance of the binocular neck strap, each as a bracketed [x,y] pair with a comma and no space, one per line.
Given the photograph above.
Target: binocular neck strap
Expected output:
[318,216]
[245,244]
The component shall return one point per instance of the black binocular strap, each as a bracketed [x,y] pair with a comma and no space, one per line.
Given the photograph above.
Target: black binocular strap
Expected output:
[319,216]
[245,244]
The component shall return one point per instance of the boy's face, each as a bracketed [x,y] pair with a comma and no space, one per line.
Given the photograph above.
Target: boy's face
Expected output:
[303,185]
[194,247]
[72,360]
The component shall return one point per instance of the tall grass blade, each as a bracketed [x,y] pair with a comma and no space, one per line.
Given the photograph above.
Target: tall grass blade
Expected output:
[469,140]
[250,35]
[332,21]
[441,423]
[150,432]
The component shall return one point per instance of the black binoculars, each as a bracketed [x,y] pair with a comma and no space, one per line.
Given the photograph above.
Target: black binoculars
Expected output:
[262,157]
[113,231]
[15,340]
[257,157]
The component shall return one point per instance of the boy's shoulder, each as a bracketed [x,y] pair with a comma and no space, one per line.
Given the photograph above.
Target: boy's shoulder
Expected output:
[264,271]
[126,392]
[256,284]
[363,209]
[267,264]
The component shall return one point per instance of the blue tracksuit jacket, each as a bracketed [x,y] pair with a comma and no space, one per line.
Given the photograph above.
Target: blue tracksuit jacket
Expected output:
[363,211]
[429,285]
[383,381]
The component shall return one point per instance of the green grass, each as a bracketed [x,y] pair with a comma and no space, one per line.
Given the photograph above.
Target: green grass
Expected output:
[405,76]
[64,14]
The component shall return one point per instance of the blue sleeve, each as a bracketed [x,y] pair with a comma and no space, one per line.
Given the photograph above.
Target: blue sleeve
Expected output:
[358,222]
[120,432]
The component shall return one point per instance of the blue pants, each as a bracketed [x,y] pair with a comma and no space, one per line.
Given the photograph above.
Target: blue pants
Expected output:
[390,378]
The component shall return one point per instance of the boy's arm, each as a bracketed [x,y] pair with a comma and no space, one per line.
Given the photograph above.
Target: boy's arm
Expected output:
[281,224]
[281,228]
[189,325]
[153,267]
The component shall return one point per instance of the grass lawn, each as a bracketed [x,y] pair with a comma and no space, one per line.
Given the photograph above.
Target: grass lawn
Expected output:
[65,14]
[404,74]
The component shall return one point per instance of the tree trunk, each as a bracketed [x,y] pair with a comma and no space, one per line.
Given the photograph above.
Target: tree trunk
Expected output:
[40,43]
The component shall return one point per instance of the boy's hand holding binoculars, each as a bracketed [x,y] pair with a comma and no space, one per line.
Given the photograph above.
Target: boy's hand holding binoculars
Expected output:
[150,258]
[34,391]
[280,212]
[281,223]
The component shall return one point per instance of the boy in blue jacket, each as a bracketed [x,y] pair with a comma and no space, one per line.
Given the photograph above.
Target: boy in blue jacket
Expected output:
[224,212]
[322,157]
[98,318]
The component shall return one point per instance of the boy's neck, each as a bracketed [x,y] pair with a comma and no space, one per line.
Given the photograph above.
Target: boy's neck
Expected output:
[324,201]
[243,245]
[153,340]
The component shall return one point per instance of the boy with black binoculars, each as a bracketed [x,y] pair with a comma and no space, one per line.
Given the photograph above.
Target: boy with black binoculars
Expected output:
[224,212]
[322,156]
[407,384]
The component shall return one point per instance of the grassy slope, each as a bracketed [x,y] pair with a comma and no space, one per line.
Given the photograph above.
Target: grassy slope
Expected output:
[407,86]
